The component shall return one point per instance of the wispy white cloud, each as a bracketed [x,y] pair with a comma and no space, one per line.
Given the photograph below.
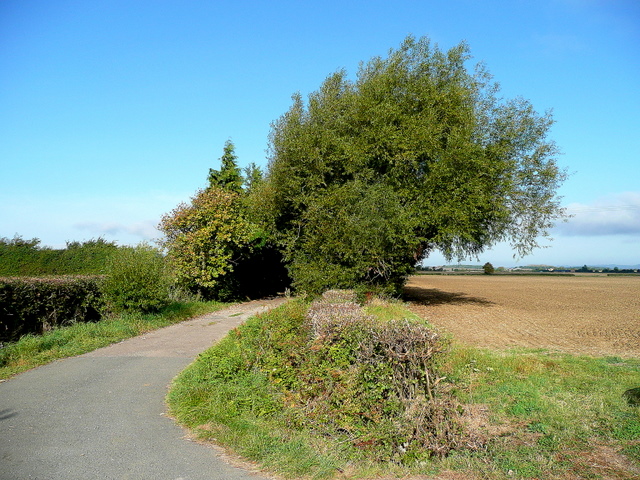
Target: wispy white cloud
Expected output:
[617,214]
[144,230]
[56,219]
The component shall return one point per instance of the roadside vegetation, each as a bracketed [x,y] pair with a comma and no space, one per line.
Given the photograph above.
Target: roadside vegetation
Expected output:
[365,179]
[20,257]
[47,318]
[296,391]
[31,350]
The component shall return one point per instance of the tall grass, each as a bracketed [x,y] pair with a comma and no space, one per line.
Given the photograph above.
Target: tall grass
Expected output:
[34,350]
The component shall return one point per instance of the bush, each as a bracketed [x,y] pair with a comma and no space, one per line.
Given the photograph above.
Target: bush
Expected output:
[335,371]
[376,380]
[136,280]
[35,305]
[216,252]
[205,240]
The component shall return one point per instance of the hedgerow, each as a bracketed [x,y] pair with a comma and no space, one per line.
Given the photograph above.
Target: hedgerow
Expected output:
[35,305]
[27,258]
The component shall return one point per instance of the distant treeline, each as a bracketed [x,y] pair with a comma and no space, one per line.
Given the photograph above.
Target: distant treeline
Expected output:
[545,269]
[586,269]
[27,258]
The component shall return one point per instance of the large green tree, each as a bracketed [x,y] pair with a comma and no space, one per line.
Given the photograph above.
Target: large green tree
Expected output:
[369,176]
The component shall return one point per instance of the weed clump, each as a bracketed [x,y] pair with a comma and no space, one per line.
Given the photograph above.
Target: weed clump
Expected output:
[375,382]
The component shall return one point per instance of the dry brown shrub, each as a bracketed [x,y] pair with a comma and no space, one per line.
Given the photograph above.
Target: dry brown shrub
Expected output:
[429,418]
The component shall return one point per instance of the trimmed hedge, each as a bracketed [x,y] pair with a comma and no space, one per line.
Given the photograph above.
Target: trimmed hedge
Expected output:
[26,258]
[35,305]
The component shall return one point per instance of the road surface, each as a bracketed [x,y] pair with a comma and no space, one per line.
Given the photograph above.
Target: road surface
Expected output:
[102,415]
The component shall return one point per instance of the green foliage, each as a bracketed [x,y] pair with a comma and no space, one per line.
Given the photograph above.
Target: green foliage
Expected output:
[253,176]
[455,168]
[20,257]
[273,385]
[488,268]
[136,280]
[215,247]
[224,397]
[89,257]
[36,305]
[229,176]
[351,386]
[353,233]
[376,380]
[206,239]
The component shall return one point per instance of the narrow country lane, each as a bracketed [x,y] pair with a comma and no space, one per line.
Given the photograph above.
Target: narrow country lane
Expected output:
[102,415]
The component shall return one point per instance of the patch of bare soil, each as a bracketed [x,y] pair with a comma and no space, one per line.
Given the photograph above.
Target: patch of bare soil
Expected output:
[604,461]
[592,315]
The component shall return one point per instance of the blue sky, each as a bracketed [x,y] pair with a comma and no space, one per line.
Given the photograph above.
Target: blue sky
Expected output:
[111,113]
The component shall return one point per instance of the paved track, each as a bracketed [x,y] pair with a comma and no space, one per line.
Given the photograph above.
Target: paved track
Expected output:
[102,415]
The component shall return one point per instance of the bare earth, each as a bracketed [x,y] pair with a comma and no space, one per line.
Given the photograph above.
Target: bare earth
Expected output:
[592,315]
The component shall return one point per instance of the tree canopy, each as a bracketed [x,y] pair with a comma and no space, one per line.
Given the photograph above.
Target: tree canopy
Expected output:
[417,153]
[212,244]
[229,177]
[205,239]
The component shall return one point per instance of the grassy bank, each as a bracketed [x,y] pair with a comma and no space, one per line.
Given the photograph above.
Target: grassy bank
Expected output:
[34,350]
[532,414]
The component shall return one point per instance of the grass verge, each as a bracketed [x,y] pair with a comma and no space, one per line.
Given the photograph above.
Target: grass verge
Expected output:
[539,414]
[35,350]
[548,415]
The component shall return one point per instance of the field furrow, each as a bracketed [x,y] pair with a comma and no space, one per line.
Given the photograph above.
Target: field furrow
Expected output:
[593,315]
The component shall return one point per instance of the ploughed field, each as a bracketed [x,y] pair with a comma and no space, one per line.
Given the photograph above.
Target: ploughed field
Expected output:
[593,315]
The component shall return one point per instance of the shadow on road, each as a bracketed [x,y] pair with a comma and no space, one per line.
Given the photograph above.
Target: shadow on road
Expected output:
[7,414]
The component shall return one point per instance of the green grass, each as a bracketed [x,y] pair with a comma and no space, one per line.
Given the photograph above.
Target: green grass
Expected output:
[548,415]
[554,410]
[35,350]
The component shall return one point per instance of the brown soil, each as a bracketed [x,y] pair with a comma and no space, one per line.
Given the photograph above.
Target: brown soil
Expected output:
[592,315]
